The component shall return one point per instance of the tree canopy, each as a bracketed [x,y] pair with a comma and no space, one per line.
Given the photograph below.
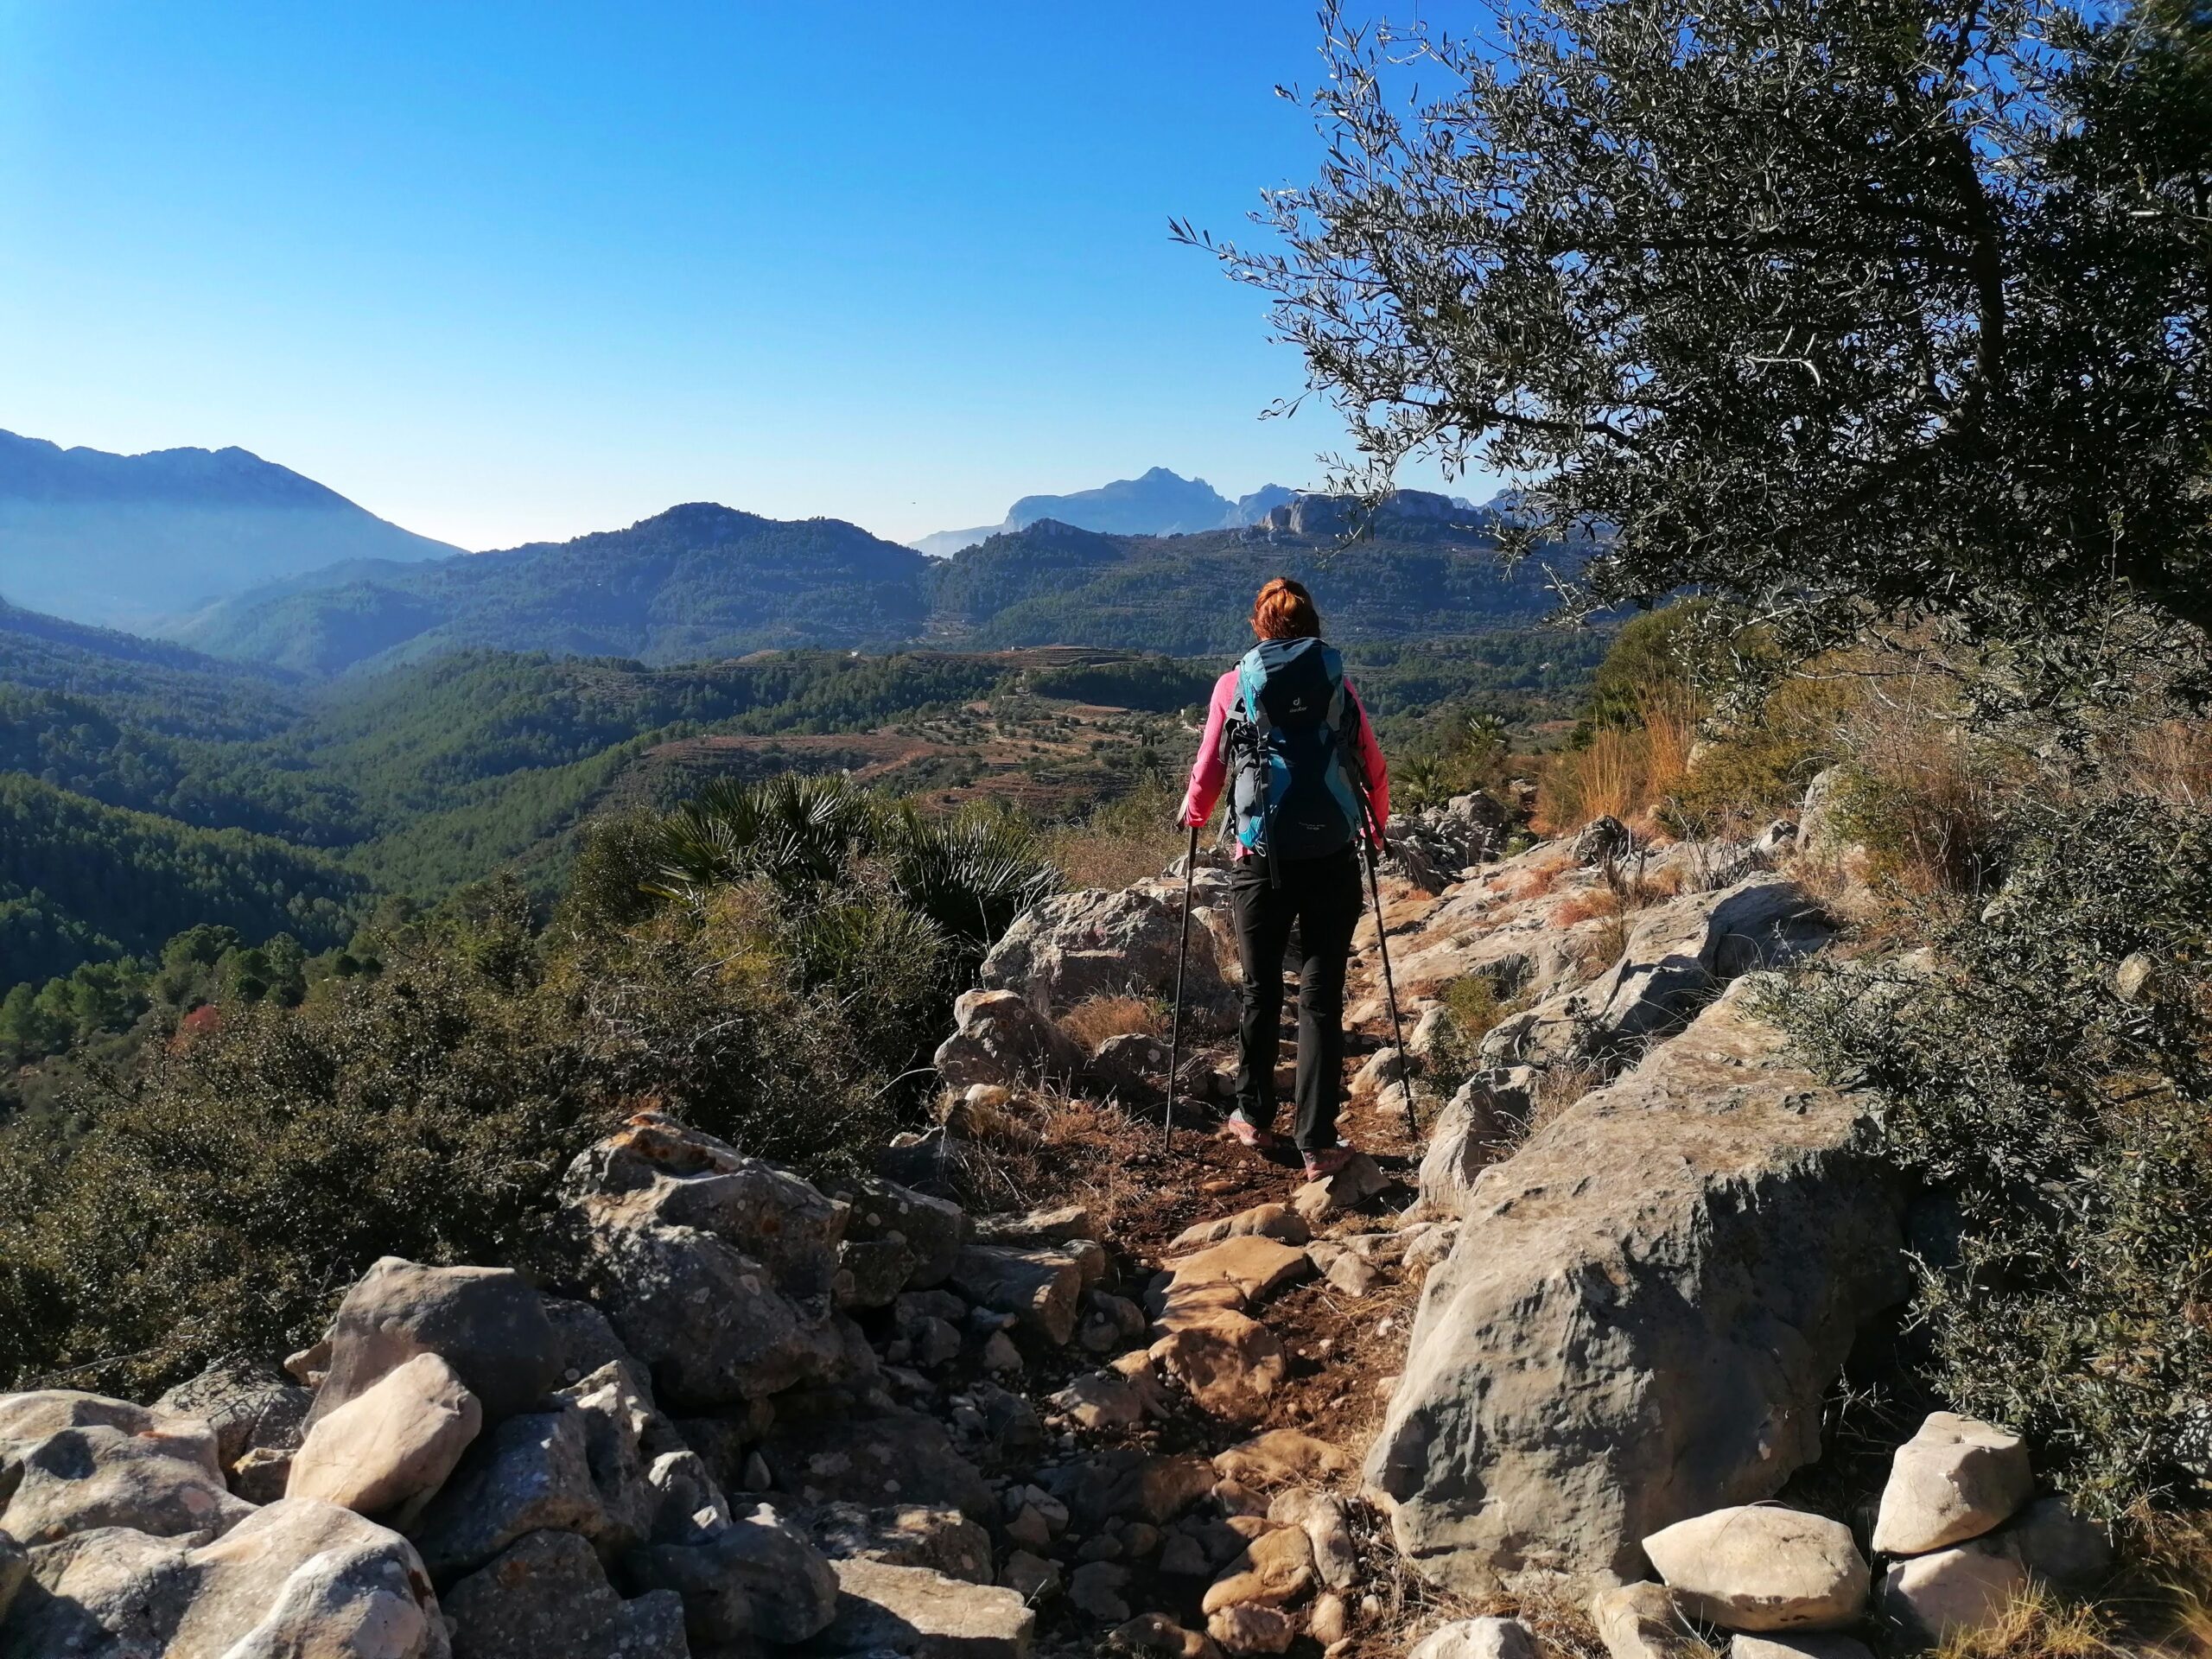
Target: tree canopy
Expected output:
[1849,311]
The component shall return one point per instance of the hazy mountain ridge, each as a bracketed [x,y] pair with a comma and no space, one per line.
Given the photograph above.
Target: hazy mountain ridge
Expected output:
[1160,503]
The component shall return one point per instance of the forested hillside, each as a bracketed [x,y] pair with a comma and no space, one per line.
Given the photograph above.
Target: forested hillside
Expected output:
[153,789]
[701,581]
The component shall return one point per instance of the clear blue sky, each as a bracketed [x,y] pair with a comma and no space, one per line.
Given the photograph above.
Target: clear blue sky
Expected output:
[504,271]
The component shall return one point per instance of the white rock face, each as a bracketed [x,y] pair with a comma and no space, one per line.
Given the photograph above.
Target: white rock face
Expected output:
[1479,1638]
[388,1451]
[1953,1592]
[1640,1314]
[1762,1569]
[298,1579]
[78,1462]
[1818,1645]
[1956,1479]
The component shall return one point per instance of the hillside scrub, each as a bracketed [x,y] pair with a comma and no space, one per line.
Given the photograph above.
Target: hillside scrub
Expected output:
[2050,1080]
[772,967]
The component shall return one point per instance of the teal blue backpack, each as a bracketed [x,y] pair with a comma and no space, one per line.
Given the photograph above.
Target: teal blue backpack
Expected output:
[1295,792]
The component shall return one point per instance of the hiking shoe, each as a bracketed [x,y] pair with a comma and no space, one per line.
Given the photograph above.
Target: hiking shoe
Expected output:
[1326,1161]
[1251,1135]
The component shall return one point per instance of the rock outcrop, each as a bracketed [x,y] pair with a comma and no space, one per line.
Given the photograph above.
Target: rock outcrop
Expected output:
[1098,943]
[1639,1317]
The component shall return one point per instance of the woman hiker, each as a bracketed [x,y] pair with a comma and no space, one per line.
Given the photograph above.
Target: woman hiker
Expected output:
[1308,780]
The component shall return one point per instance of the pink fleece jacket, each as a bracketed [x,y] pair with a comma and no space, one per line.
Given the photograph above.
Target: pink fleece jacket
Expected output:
[1211,770]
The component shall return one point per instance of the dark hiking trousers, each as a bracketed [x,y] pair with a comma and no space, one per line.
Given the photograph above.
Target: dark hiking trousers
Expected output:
[1322,897]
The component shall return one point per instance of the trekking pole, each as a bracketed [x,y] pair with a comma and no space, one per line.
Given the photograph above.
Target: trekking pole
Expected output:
[1175,1029]
[1389,987]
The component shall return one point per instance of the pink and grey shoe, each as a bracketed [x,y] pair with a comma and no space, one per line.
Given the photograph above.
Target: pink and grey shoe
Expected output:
[1251,1135]
[1324,1161]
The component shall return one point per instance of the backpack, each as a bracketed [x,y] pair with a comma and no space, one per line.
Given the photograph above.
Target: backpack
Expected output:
[1294,795]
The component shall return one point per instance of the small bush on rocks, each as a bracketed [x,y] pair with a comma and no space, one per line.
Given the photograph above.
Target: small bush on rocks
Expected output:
[2049,1081]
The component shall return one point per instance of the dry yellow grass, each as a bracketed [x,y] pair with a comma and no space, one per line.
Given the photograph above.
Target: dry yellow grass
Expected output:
[1094,1019]
[1623,772]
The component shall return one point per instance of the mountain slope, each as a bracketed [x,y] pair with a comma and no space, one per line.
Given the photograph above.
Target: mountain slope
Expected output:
[81,881]
[696,581]
[702,582]
[126,540]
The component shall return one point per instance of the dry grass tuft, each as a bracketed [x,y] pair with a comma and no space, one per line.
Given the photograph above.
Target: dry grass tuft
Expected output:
[1121,843]
[2038,1626]
[1624,772]
[1096,1018]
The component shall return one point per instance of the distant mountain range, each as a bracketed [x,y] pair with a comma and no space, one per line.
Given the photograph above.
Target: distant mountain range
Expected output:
[701,581]
[129,540]
[1160,503]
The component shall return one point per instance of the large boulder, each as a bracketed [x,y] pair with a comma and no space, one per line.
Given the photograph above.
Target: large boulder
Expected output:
[930,1230]
[385,1452]
[297,1579]
[73,1463]
[1094,942]
[821,1451]
[532,1472]
[716,1269]
[487,1323]
[1956,1479]
[1000,1038]
[1642,1311]
[1953,1592]
[259,1416]
[757,1579]
[547,1597]
[1679,952]
[1761,1569]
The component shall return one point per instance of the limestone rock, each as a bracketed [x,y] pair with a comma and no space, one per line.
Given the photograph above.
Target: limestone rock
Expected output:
[1113,1399]
[1642,1621]
[1347,1271]
[932,1230]
[1954,1591]
[1247,1627]
[1257,1267]
[1155,1636]
[547,1597]
[1472,1132]
[1095,1589]
[757,1578]
[1276,1221]
[1321,1516]
[883,1609]
[716,1269]
[297,1579]
[584,1342]
[1823,1644]
[1277,1566]
[2059,1547]
[1956,1479]
[1042,1286]
[909,1535]
[1283,1456]
[487,1323]
[1124,1484]
[1762,1569]
[251,1408]
[1065,1223]
[1358,1181]
[1640,1315]
[825,1452]
[687,1504]
[530,1473]
[1231,1364]
[385,1452]
[1330,1621]
[1078,945]
[15,1567]
[1679,953]
[1000,1038]
[73,1463]
[1477,1638]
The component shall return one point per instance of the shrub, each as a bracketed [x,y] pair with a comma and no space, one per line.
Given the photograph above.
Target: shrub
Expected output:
[2049,1082]
[1756,768]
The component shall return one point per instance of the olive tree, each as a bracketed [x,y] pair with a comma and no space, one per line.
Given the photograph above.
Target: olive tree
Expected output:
[1849,312]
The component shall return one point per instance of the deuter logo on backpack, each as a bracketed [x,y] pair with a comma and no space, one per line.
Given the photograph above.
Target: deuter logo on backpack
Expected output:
[1294,796]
